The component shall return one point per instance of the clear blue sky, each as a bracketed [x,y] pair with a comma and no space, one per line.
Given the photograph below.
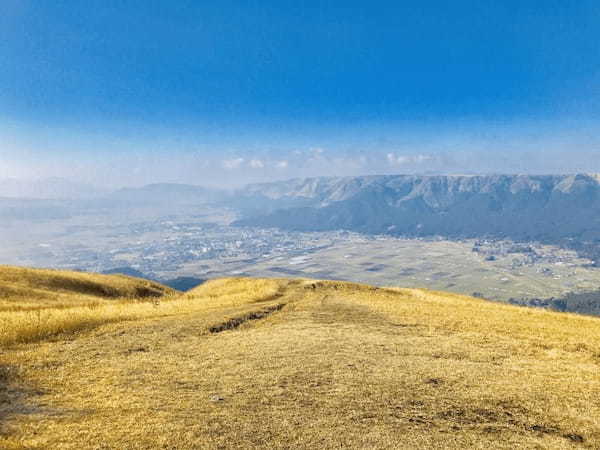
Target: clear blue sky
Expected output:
[252,87]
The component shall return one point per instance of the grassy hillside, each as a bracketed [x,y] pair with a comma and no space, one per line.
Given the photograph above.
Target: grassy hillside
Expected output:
[245,363]
[25,289]
[38,303]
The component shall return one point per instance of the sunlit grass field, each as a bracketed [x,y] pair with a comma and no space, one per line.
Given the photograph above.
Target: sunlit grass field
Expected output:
[24,289]
[82,301]
[277,363]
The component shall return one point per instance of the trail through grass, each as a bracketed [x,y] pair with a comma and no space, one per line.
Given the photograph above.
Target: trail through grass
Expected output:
[241,363]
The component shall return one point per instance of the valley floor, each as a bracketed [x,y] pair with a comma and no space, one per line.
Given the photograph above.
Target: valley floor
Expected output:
[318,365]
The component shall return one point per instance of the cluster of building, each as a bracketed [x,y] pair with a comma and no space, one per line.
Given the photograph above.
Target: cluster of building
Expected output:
[155,247]
[522,254]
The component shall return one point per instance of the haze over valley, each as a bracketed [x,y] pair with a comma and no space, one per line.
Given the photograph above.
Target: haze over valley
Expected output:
[506,238]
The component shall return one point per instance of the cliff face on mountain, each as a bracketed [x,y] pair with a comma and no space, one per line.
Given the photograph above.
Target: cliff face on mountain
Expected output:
[541,207]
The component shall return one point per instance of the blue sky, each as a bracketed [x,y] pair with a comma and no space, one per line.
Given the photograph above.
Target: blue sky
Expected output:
[224,91]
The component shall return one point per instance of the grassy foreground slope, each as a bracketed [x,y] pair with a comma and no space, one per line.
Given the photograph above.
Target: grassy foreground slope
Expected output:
[243,363]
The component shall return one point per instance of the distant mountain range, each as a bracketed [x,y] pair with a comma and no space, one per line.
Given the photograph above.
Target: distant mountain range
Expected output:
[549,208]
[60,199]
[524,207]
[169,193]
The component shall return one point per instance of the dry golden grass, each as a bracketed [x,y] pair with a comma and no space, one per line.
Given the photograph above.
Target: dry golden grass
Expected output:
[24,289]
[38,303]
[88,300]
[309,364]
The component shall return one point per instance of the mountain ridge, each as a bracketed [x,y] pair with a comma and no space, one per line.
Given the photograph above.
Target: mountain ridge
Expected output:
[539,207]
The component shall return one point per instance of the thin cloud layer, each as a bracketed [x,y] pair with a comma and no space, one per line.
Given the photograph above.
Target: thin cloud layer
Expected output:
[469,149]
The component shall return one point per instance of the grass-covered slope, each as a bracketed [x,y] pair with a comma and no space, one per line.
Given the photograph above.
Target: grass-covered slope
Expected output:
[24,288]
[38,303]
[242,363]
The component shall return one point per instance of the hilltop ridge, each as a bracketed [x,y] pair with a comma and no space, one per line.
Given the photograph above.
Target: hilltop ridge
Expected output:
[25,288]
[279,363]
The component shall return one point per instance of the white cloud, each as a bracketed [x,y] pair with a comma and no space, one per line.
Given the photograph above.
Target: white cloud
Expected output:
[231,164]
[282,164]
[394,160]
[422,158]
[403,160]
[256,164]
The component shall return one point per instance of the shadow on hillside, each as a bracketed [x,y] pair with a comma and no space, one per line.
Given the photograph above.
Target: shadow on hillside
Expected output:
[14,399]
[100,289]
[21,403]
[5,400]
[8,398]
